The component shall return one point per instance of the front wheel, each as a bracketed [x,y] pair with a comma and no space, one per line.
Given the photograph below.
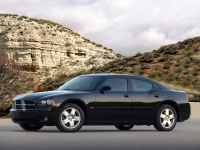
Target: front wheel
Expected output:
[30,127]
[124,127]
[166,118]
[71,118]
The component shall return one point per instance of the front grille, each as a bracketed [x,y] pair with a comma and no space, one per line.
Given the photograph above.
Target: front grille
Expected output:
[24,105]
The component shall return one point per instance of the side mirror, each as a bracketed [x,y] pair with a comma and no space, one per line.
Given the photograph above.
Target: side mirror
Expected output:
[105,88]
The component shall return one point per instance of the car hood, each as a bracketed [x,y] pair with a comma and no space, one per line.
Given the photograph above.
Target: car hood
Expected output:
[43,95]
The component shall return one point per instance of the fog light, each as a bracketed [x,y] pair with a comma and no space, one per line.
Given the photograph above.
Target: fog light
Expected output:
[45,119]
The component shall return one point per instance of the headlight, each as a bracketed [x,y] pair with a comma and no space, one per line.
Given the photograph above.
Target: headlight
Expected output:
[48,102]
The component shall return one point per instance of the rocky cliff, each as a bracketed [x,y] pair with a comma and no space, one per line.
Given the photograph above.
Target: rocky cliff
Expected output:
[36,44]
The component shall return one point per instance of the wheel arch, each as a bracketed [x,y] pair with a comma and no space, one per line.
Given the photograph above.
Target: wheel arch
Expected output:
[78,102]
[173,104]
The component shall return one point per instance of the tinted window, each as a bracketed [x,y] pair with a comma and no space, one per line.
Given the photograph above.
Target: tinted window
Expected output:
[140,85]
[81,83]
[116,84]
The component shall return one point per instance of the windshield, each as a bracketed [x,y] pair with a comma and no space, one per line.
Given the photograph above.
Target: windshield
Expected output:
[81,83]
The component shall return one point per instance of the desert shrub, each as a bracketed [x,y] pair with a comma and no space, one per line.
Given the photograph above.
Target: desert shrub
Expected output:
[177,64]
[42,21]
[60,78]
[197,62]
[132,71]
[99,45]
[171,49]
[144,66]
[76,34]
[152,75]
[148,58]
[196,40]
[189,54]
[156,55]
[167,65]
[6,15]
[195,73]
[196,49]
[186,65]
[161,49]
[138,54]
[48,79]
[141,72]
[177,76]
[122,62]
[22,17]
[179,70]
[181,46]
[170,78]
[163,59]
[186,72]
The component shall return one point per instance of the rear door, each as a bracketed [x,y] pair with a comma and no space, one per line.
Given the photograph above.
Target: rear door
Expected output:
[146,96]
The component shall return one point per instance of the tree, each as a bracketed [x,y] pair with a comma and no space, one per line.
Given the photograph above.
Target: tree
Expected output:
[9,73]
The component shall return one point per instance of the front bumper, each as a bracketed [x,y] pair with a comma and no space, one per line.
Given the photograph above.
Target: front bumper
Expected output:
[37,117]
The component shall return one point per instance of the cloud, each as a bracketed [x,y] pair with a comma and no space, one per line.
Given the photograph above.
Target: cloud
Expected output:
[126,26]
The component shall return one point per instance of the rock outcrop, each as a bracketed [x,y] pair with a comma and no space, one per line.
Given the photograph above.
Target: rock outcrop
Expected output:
[36,44]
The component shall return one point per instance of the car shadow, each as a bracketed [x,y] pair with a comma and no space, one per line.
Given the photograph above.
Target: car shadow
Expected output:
[83,131]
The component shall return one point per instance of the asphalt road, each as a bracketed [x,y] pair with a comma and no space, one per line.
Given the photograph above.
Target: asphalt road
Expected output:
[185,136]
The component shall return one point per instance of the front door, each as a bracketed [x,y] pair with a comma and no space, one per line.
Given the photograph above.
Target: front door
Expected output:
[113,105]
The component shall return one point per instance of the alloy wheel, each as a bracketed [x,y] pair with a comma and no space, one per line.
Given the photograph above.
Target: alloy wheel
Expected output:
[70,118]
[167,118]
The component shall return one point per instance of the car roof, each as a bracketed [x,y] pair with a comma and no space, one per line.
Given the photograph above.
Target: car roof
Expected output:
[114,74]
[107,74]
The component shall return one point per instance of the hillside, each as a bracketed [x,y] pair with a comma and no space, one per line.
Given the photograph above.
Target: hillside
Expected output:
[43,49]
[176,65]
[38,44]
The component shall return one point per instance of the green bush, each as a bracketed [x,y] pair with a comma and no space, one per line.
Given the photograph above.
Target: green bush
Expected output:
[179,70]
[48,79]
[144,66]
[138,54]
[189,54]
[152,75]
[167,65]
[61,78]
[170,78]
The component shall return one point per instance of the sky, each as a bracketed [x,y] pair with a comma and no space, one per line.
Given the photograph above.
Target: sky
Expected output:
[126,26]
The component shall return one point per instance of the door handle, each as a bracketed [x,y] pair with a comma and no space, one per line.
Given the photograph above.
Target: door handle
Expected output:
[157,95]
[126,95]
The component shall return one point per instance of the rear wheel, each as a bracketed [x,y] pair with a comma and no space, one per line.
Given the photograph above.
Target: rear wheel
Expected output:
[124,127]
[71,118]
[31,127]
[166,118]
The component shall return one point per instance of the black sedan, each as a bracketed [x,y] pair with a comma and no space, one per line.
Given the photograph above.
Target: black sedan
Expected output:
[102,99]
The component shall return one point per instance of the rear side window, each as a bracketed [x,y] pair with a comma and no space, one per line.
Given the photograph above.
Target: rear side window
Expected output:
[140,85]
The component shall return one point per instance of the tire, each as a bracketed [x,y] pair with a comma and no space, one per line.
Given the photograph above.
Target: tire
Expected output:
[166,118]
[71,118]
[124,127]
[30,127]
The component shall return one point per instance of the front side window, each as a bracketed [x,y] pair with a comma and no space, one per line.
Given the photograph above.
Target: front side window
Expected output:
[140,85]
[81,83]
[116,84]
